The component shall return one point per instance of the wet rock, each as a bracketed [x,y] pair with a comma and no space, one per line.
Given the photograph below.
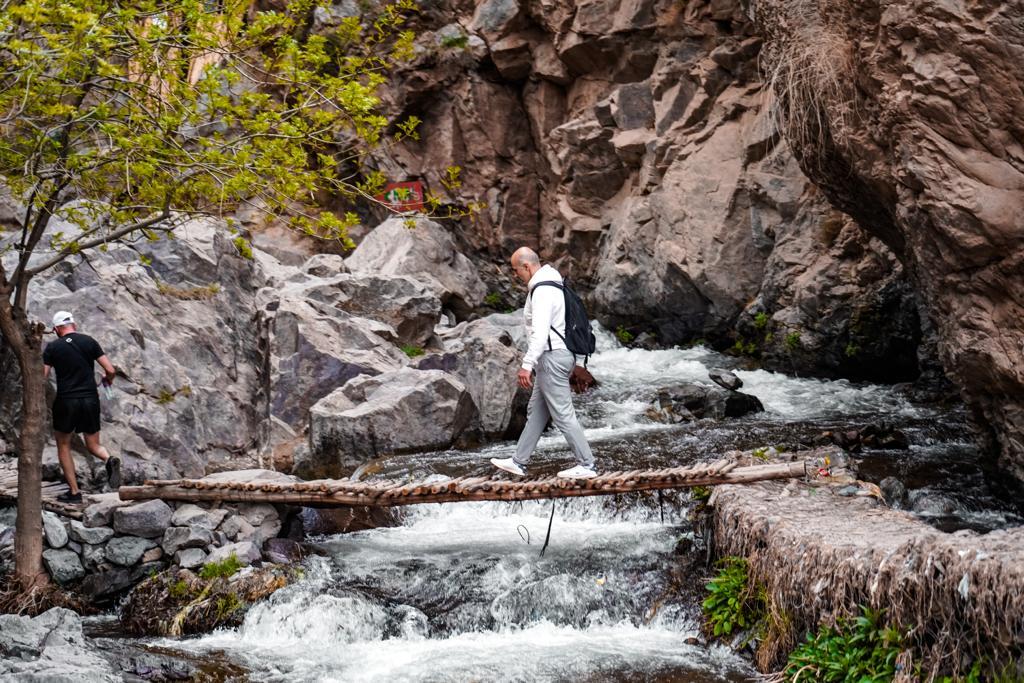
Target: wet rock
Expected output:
[99,510]
[148,519]
[102,587]
[397,412]
[190,558]
[247,552]
[426,253]
[685,401]
[282,551]
[893,492]
[726,379]
[330,521]
[91,535]
[929,503]
[127,550]
[191,515]
[63,565]
[177,537]
[50,647]
[881,436]
[54,531]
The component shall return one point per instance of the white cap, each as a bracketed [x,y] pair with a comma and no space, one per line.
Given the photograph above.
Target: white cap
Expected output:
[62,318]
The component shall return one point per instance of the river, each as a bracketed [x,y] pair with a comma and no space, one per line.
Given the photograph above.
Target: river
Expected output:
[459,592]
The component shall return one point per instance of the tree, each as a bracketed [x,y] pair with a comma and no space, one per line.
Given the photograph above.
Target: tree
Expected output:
[125,119]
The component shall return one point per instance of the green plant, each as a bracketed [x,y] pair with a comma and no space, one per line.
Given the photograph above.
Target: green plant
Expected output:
[226,604]
[851,350]
[733,602]
[761,321]
[744,348]
[761,453]
[412,351]
[178,589]
[700,493]
[981,671]
[493,299]
[792,341]
[459,41]
[221,570]
[861,650]
[623,335]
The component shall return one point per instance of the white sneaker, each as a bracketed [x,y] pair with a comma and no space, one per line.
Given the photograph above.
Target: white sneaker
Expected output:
[578,472]
[509,465]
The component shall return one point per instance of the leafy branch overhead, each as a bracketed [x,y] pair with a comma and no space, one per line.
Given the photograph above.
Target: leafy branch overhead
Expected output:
[121,118]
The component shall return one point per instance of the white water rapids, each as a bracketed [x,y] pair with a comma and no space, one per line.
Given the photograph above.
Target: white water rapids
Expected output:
[456,593]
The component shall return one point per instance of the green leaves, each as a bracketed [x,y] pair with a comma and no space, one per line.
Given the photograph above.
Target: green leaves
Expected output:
[733,603]
[860,650]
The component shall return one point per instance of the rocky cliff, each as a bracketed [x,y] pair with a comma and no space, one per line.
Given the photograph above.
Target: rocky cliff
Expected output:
[910,117]
[634,144]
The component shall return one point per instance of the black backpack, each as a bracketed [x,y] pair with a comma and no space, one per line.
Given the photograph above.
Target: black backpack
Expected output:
[579,338]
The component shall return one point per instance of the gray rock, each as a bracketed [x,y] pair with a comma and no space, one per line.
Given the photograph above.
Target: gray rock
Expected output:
[325,265]
[127,550]
[100,509]
[64,565]
[177,537]
[54,531]
[484,356]
[893,491]
[257,513]
[193,515]
[6,536]
[93,556]
[8,516]
[74,547]
[426,253]
[929,503]
[282,551]
[699,400]
[246,551]
[152,555]
[726,379]
[148,519]
[238,528]
[633,107]
[408,410]
[106,585]
[190,558]
[50,647]
[85,534]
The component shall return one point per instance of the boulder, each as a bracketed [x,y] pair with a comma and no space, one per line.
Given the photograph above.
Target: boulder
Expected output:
[238,529]
[194,516]
[425,252]
[63,565]
[177,537]
[725,379]
[148,519]
[282,551]
[484,357]
[54,531]
[247,552]
[694,400]
[50,647]
[102,587]
[894,492]
[190,558]
[404,411]
[127,550]
[99,509]
[93,555]
[85,534]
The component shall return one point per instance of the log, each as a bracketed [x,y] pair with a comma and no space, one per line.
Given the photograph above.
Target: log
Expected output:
[388,494]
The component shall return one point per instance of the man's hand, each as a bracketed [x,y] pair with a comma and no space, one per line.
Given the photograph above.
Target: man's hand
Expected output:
[525,378]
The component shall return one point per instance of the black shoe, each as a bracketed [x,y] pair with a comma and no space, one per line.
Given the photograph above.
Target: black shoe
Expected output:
[113,466]
[70,497]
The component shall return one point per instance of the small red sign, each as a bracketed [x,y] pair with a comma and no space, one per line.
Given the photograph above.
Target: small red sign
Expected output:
[407,196]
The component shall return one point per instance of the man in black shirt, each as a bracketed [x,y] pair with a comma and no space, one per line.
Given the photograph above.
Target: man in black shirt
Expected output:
[77,406]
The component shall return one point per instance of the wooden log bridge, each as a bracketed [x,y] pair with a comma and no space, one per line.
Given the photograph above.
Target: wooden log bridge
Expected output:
[342,492]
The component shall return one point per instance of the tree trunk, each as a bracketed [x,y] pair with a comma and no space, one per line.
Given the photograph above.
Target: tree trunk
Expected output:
[25,342]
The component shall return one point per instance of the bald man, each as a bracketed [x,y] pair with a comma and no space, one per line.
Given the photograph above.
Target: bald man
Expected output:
[547,357]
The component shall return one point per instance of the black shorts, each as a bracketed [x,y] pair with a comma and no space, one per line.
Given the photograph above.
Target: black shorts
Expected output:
[76,415]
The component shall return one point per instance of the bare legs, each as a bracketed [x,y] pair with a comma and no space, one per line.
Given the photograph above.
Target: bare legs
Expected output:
[67,463]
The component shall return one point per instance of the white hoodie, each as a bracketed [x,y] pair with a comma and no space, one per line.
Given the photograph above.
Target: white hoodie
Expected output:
[544,309]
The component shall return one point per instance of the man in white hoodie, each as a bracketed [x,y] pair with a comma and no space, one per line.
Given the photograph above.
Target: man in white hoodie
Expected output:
[548,357]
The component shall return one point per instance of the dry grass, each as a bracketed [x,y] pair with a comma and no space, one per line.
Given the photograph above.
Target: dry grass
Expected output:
[820,556]
[14,599]
[204,293]
[807,70]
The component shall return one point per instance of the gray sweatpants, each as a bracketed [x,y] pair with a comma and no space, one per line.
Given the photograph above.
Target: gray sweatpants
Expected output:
[552,398]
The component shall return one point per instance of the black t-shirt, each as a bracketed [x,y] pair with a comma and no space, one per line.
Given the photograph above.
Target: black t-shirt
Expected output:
[72,356]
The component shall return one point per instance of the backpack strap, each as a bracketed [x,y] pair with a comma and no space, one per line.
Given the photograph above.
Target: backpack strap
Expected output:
[551,283]
[71,342]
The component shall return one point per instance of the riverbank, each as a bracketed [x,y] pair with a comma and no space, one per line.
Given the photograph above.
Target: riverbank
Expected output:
[821,555]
